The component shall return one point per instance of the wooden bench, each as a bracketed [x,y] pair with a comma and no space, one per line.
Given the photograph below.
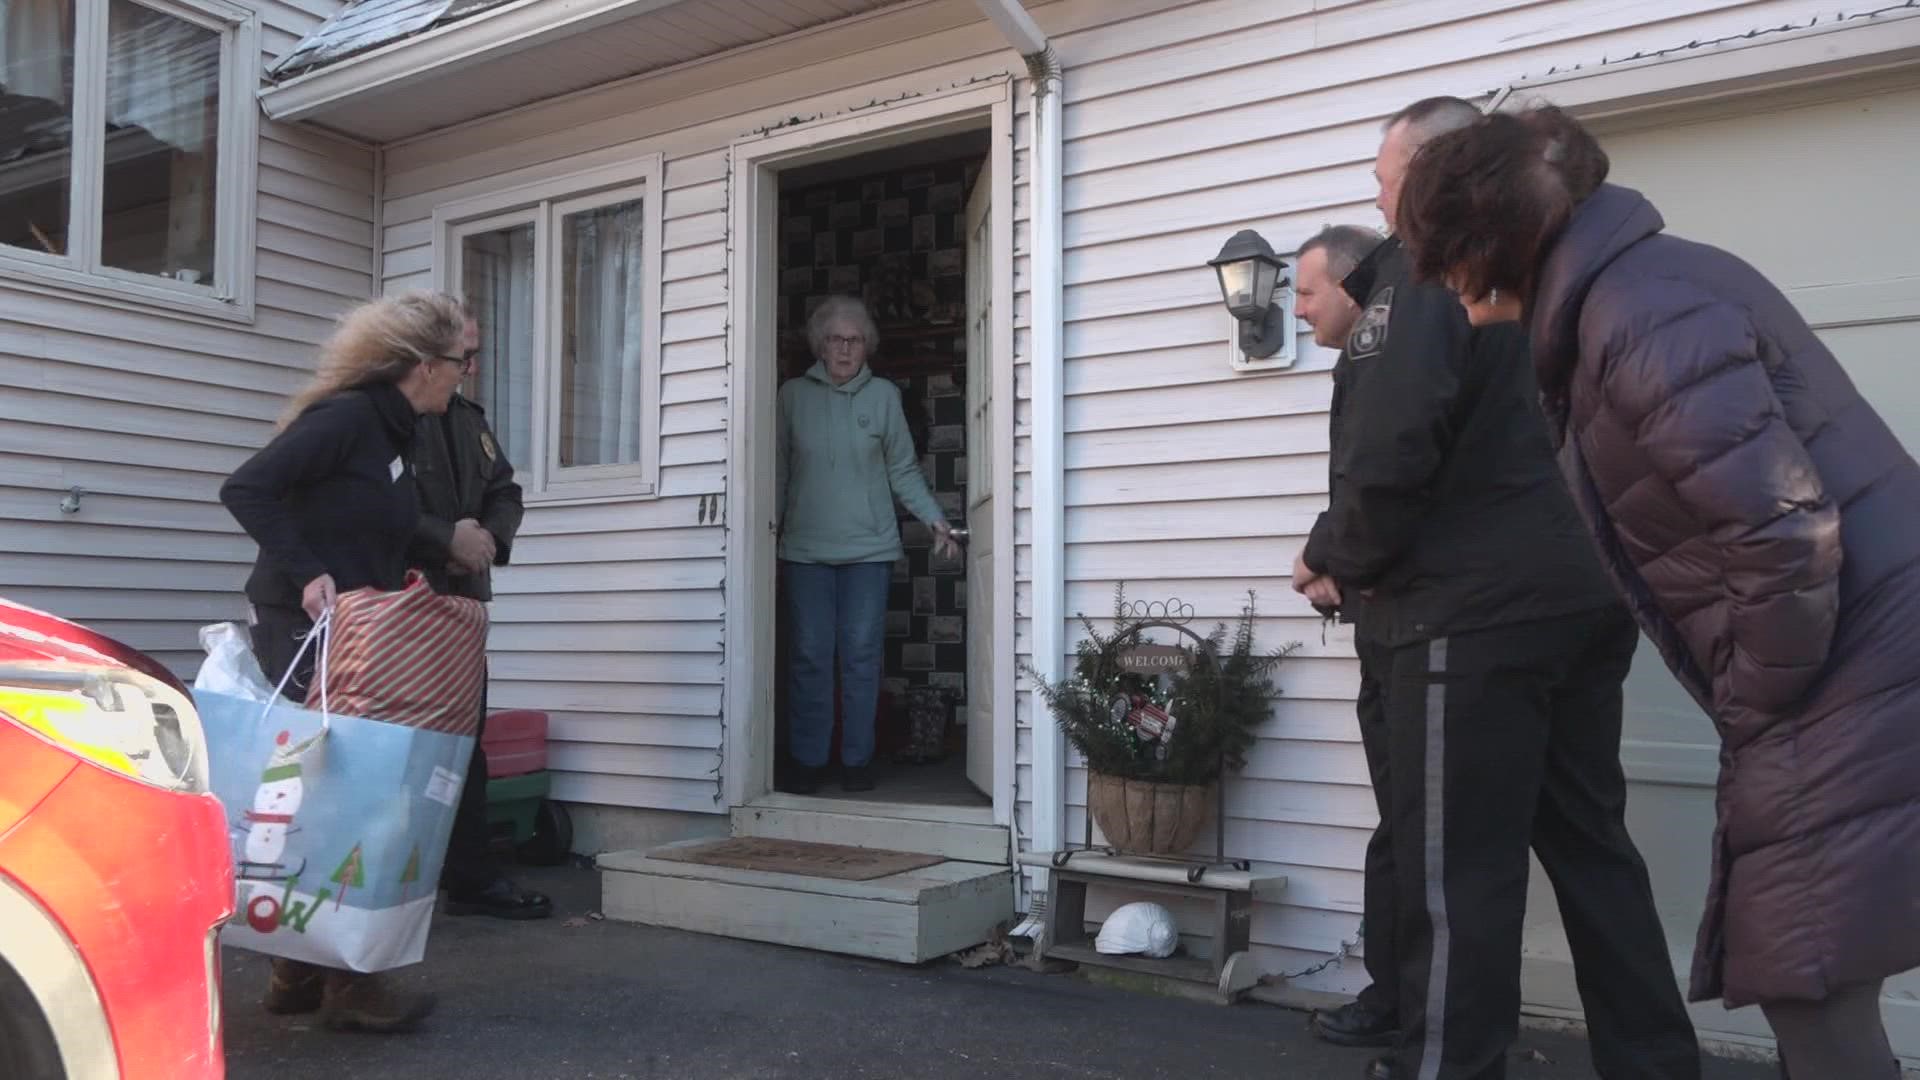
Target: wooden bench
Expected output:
[1231,894]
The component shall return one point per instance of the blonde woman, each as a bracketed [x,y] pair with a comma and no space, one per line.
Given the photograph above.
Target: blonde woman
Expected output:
[332,503]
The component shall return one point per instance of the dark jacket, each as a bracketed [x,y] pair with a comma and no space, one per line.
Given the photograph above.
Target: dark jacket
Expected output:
[1764,525]
[1445,503]
[462,473]
[330,495]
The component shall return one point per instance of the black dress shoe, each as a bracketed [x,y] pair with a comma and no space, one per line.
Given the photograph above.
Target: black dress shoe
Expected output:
[856,778]
[1384,1068]
[802,780]
[501,900]
[1355,1024]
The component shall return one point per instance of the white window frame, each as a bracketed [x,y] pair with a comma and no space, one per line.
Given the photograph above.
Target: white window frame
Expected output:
[230,295]
[545,205]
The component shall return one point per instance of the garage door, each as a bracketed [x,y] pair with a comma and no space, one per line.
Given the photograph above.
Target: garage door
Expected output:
[1820,195]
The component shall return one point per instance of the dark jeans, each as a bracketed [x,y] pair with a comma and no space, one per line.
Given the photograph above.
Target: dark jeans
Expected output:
[1500,740]
[277,634]
[834,611]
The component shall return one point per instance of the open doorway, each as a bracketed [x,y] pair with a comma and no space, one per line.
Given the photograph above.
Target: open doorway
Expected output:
[903,230]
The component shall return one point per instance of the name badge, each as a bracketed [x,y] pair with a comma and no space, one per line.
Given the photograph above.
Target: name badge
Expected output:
[397,467]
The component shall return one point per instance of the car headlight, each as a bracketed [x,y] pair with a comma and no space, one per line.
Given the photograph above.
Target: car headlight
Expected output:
[118,719]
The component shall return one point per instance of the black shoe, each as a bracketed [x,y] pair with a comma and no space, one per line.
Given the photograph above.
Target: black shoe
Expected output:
[1356,1024]
[1384,1068]
[856,778]
[502,900]
[802,780]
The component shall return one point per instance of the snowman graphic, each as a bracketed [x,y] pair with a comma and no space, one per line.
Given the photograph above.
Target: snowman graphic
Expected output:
[275,802]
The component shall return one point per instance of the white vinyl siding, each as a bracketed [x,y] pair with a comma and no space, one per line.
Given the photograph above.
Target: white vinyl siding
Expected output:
[147,412]
[1184,123]
[1187,480]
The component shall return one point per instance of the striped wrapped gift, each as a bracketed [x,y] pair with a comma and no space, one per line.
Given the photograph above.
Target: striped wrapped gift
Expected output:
[409,657]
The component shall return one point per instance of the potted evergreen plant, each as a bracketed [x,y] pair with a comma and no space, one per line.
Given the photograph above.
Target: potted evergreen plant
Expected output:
[1156,746]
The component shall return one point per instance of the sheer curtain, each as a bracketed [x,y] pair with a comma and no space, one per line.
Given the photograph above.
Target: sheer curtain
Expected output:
[34,61]
[163,74]
[497,268]
[600,376]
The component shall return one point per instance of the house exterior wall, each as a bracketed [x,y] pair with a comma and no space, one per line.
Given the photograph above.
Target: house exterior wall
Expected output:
[147,411]
[611,617]
[1184,479]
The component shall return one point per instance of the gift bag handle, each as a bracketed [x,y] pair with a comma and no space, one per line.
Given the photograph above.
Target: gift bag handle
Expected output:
[318,632]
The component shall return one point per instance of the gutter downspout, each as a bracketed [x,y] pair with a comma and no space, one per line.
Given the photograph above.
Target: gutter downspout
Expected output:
[1045,337]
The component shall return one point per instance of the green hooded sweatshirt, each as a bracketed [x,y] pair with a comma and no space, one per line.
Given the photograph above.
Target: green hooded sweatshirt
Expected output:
[844,455]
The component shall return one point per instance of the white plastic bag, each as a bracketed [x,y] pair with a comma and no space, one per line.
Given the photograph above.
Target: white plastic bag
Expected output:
[230,667]
[1139,927]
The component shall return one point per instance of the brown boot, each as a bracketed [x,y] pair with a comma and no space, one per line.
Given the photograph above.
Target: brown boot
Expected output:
[295,988]
[356,1002]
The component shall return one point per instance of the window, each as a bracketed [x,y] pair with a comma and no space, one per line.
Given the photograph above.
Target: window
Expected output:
[564,281]
[126,148]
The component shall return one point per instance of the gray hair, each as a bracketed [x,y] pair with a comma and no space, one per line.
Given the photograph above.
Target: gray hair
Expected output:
[1345,246]
[840,309]
[1430,118]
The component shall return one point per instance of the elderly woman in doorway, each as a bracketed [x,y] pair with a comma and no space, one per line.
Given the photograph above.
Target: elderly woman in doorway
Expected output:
[1763,523]
[844,455]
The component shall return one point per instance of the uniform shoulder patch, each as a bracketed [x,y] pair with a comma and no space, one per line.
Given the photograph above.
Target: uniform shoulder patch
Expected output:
[487,446]
[1369,336]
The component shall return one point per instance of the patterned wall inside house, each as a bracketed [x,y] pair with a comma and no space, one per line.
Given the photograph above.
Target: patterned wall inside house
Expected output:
[897,240]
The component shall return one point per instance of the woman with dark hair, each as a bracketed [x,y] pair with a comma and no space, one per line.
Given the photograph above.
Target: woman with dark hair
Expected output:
[1762,522]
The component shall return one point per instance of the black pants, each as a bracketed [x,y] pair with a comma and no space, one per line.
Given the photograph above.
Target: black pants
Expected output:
[1500,740]
[470,865]
[1378,901]
[277,635]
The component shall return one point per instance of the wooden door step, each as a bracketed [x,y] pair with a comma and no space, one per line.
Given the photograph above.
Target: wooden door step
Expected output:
[912,916]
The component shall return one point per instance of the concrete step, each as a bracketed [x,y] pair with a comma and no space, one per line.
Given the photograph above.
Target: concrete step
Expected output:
[959,841]
[909,918]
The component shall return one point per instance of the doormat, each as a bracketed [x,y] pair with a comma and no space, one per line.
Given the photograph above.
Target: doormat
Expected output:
[799,857]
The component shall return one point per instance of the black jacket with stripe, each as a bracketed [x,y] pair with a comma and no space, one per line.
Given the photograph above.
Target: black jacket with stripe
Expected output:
[1446,504]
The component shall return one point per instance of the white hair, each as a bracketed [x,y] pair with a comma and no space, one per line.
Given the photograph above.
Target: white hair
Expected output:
[841,309]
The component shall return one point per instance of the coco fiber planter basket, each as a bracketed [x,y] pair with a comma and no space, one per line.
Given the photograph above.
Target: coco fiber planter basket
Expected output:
[1145,818]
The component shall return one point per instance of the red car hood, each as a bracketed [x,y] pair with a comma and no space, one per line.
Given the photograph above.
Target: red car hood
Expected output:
[29,635]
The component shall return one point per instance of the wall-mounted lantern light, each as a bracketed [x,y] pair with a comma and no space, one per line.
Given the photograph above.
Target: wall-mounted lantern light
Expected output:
[1259,296]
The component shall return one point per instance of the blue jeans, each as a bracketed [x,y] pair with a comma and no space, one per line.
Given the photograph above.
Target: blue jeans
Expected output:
[829,609]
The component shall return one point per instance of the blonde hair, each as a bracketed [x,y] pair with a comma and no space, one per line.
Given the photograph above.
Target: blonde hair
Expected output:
[380,342]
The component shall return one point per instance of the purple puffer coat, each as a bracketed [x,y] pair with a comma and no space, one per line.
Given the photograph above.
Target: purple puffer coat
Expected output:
[1764,526]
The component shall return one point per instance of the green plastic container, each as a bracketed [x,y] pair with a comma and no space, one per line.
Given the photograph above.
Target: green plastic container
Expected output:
[513,802]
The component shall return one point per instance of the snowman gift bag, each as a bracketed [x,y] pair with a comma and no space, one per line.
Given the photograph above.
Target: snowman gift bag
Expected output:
[340,810]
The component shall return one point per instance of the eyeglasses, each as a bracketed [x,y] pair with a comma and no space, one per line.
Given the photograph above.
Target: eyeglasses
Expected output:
[464,360]
[839,341]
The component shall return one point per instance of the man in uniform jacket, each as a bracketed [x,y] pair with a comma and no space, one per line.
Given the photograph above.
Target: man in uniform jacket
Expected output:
[1373,1017]
[470,509]
[1506,653]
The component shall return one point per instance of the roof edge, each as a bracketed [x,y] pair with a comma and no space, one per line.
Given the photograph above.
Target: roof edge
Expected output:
[502,31]
[1821,49]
